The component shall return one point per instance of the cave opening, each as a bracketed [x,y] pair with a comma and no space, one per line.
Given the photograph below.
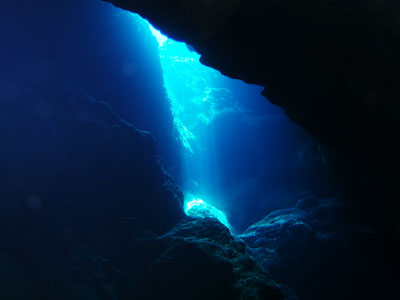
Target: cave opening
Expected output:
[196,99]
[221,124]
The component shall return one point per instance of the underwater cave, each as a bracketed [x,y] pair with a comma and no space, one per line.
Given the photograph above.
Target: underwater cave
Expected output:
[165,149]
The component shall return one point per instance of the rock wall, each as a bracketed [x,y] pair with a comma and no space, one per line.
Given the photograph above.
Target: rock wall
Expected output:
[78,181]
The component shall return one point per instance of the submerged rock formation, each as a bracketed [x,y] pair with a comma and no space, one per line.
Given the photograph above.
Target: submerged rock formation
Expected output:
[67,155]
[83,177]
[78,181]
[318,254]
[202,260]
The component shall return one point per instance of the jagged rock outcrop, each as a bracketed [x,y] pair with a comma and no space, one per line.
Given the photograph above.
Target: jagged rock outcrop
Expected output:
[318,254]
[202,260]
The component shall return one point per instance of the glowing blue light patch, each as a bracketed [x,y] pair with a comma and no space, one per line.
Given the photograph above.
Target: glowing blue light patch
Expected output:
[200,209]
[195,202]
[161,39]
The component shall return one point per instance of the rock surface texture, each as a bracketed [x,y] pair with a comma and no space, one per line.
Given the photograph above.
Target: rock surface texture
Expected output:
[78,182]
[203,260]
[319,255]
[67,155]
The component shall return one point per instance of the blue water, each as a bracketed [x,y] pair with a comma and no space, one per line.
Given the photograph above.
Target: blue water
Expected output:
[217,120]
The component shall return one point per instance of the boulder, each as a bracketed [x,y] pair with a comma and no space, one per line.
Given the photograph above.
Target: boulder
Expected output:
[314,251]
[203,260]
